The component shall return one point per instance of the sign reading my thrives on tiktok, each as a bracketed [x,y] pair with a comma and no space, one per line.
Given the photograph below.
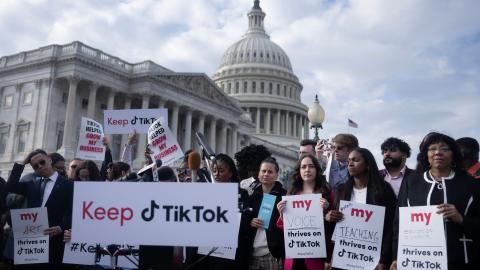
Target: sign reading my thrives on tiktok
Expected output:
[421,239]
[30,244]
[303,227]
[169,214]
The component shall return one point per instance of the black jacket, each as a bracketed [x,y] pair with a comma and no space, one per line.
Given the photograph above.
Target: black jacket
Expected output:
[388,200]
[463,192]
[59,205]
[247,233]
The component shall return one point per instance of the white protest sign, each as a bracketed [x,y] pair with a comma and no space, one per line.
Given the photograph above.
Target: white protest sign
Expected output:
[169,214]
[84,254]
[90,145]
[221,252]
[303,227]
[30,244]
[125,121]
[163,143]
[421,239]
[358,237]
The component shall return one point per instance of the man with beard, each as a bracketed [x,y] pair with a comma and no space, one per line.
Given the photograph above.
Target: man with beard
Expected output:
[395,153]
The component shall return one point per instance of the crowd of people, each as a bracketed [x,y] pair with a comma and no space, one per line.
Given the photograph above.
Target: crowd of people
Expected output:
[446,175]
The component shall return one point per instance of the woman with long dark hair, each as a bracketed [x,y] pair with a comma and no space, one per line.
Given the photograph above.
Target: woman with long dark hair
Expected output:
[366,185]
[441,180]
[87,170]
[307,179]
[224,171]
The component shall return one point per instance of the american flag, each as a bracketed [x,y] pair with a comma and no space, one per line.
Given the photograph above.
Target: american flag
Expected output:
[352,124]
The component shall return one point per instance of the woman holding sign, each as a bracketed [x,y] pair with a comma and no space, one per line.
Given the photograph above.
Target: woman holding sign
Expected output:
[307,179]
[365,185]
[441,180]
[263,246]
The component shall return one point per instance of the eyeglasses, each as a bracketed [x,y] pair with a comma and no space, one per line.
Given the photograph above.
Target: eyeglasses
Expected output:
[338,147]
[40,163]
[434,149]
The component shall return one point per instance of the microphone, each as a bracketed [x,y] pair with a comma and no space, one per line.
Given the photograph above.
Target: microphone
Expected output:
[194,164]
[207,150]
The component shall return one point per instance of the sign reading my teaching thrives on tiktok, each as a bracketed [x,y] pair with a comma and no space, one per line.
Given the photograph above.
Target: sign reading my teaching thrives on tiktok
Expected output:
[90,144]
[421,239]
[169,214]
[358,237]
[126,121]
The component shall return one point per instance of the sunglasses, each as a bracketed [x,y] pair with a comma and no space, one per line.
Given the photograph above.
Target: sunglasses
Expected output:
[40,163]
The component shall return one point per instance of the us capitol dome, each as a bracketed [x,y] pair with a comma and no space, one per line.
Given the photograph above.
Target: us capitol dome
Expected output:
[258,73]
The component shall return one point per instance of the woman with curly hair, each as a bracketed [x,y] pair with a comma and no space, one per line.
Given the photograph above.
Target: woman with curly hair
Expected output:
[248,163]
[442,181]
[307,179]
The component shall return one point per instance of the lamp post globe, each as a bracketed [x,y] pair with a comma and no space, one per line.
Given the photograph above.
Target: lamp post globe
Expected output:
[316,115]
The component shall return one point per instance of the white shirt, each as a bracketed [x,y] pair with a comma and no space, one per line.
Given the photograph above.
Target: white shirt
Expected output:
[359,195]
[260,244]
[49,187]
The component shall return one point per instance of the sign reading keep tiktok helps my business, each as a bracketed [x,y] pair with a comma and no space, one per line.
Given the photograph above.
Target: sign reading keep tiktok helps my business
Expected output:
[303,227]
[90,144]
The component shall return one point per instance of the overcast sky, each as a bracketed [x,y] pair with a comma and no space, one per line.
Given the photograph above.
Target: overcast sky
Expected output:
[397,68]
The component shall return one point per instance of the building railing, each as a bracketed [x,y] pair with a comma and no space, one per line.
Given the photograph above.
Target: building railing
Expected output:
[78,48]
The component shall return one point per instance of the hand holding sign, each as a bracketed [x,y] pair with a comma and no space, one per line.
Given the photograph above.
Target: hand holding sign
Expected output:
[256,223]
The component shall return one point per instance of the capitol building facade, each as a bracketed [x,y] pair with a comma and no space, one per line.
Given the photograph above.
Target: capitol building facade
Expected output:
[253,97]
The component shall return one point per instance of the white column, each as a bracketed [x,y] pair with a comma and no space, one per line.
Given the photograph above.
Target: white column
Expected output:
[267,122]
[174,120]
[294,125]
[286,123]
[213,133]
[187,139]
[200,128]
[110,105]
[92,100]
[68,150]
[258,120]
[223,138]
[277,128]
[201,123]
[234,139]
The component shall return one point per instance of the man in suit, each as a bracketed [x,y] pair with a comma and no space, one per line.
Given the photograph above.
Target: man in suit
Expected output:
[395,153]
[49,190]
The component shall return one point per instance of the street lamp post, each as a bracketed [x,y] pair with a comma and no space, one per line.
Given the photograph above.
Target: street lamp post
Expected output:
[316,115]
